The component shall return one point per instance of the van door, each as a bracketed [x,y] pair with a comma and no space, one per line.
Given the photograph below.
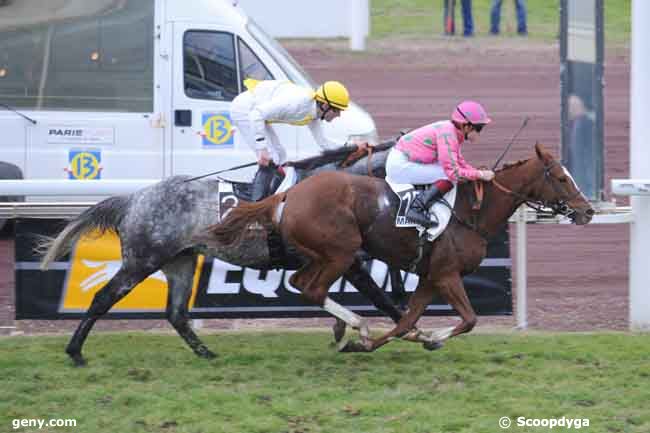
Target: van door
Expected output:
[15,130]
[209,65]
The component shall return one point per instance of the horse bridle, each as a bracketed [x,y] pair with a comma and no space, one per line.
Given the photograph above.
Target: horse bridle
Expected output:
[558,207]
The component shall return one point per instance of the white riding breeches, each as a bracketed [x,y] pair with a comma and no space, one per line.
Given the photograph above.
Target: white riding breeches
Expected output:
[400,170]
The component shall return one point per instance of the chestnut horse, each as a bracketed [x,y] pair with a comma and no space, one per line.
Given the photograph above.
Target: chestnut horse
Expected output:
[330,216]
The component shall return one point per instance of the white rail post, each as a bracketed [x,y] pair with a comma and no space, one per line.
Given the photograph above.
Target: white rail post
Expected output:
[522,289]
[640,167]
[359,17]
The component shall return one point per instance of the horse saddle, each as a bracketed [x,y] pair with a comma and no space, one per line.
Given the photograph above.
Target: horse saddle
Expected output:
[439,211]
[279,182]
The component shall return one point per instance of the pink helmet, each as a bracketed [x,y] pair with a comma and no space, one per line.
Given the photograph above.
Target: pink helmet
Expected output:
[470,112]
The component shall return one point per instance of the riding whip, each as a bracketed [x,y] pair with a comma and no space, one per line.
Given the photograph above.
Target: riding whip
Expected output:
[250,164]
[514,137]
[13,110]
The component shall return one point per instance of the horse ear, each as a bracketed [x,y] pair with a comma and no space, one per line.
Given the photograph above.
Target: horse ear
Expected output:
[540,151]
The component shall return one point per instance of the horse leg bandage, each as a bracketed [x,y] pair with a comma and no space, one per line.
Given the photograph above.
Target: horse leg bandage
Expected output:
[442,334]
[342,313]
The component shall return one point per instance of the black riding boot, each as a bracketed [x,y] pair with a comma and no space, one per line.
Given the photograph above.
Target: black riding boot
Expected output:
[262,182]
[418,212]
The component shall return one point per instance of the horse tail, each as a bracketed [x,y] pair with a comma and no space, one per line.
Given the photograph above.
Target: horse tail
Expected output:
[104,216]
[233,228]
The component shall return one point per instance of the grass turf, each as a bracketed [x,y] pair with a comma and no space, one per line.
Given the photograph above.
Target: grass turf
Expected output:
[423,18]
[295,382]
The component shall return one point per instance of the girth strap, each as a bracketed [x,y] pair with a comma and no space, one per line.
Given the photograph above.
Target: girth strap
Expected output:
[478,190]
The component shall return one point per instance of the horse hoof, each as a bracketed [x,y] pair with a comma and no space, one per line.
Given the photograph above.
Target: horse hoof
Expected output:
[364,332]
[354,346]
[432,345]
[413,336]
[78,360]
[206,353]
[339,330]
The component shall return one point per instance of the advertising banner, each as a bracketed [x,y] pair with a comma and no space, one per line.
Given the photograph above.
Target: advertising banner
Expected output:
[219,289]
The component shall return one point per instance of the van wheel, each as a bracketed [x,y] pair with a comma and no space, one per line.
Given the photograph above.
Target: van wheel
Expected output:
[9,171]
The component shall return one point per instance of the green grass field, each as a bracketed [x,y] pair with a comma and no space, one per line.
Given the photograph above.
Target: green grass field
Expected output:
[295,382]
[423,18]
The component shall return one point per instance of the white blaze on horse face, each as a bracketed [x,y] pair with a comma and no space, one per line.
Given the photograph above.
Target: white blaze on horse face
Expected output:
[575,185]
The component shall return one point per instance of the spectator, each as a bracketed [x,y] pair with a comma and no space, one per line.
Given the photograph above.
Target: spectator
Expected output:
[582,155]
[495,17]
[448,17]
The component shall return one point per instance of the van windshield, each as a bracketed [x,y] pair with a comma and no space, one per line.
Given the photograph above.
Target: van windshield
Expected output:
[91,55]
[294,71]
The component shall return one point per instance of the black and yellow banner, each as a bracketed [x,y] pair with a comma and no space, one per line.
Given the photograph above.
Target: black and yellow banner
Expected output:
[219,289]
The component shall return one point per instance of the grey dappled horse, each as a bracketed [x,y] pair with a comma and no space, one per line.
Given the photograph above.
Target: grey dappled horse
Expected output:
[162,227]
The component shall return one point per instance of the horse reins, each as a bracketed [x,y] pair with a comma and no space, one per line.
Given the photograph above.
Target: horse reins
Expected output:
[559,208]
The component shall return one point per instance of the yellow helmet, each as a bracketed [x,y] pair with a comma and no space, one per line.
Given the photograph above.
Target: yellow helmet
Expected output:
[333,93]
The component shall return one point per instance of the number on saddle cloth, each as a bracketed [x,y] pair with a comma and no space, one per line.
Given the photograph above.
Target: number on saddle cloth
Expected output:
[439,210]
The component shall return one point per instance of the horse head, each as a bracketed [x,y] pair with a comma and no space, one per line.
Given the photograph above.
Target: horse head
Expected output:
[549,184]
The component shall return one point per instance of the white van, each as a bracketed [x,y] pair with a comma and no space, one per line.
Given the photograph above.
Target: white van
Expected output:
[125,89]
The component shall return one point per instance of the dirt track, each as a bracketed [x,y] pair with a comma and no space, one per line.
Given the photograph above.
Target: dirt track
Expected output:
[577,276]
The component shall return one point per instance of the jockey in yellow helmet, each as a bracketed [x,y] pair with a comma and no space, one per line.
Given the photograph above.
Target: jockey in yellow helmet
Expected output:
[277,101]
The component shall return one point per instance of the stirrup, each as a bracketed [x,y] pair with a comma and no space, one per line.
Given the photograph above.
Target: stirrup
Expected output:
[422,220]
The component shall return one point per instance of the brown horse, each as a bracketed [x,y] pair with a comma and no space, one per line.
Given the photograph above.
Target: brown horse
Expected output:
[329,217]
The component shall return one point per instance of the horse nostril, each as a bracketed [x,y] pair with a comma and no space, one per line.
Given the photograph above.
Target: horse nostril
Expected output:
[590,212]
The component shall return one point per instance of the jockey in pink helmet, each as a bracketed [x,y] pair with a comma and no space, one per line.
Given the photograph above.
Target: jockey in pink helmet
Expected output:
[431,155]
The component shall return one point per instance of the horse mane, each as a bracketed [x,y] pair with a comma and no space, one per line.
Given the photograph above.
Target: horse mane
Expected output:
[337,155]
[509,165]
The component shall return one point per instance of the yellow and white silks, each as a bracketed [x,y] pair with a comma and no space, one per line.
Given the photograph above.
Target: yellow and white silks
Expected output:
[275,101]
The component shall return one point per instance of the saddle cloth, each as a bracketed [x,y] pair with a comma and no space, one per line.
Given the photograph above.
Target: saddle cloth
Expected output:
[439,210]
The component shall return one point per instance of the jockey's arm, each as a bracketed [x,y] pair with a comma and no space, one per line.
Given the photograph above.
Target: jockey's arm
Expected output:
[452,162]
[275,110]
[486,175]
[317,132]
[258,124]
